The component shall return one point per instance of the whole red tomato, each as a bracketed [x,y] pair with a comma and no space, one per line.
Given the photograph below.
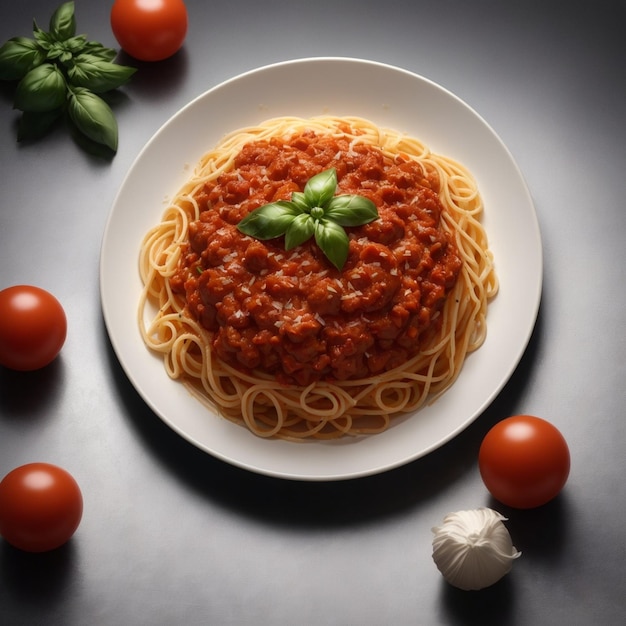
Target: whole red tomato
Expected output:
[149,30]
[33,327]
[524,461]
[41,506]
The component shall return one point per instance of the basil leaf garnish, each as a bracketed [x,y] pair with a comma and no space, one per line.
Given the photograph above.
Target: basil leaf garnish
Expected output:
[269,221]
[321,188]
[298,199]
[351,210]
[42,89]
[315,211]
[299,231]
[333,241]
[93,117]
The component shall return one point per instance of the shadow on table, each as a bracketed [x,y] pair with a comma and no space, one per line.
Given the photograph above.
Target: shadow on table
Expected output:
[30,393]
[156,80]
[39,578]
[540,535]
[491,606]
[320,504]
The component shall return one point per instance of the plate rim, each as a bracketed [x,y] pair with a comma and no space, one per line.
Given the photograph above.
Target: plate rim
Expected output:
[523,340]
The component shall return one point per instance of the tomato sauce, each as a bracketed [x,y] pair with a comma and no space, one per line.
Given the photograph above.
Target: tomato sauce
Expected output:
[292,314]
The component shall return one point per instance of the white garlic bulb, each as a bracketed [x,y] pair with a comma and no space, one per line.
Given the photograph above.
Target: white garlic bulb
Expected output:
[473,549]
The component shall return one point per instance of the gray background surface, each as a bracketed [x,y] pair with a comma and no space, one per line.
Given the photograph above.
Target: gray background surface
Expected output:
[173,536]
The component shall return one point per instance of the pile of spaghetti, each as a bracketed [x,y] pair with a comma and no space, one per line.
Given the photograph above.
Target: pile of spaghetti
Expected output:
[283,341]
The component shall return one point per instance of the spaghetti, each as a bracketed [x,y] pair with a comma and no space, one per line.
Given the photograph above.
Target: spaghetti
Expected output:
[238,322]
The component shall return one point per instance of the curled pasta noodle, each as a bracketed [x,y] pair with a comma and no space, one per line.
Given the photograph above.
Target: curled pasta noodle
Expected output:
[323,409]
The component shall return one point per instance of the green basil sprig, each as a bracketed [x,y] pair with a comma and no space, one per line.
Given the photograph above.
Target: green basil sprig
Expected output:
[315,211]
[62,74]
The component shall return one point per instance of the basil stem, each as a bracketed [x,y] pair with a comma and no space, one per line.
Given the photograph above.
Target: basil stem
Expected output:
[315,211]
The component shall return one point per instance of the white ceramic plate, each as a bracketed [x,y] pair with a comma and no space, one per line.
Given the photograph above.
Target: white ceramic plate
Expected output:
[390,97]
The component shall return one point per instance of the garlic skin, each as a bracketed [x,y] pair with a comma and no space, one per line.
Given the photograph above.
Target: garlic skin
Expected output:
[473,549]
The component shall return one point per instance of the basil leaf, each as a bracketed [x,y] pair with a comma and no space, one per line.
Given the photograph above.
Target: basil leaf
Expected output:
[60,74]
[35,125]
[63,22]
[44,39]
[269,221]
[17,56]
[351,210]
[298,199]
[315,211]
[300,230]
[321,188]
[75,45]
[333,241]
[97,75]
[42,89]
[98,51]
[93,117]
[58,51]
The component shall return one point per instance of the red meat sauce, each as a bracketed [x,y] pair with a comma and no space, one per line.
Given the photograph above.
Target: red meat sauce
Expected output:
[292,314]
